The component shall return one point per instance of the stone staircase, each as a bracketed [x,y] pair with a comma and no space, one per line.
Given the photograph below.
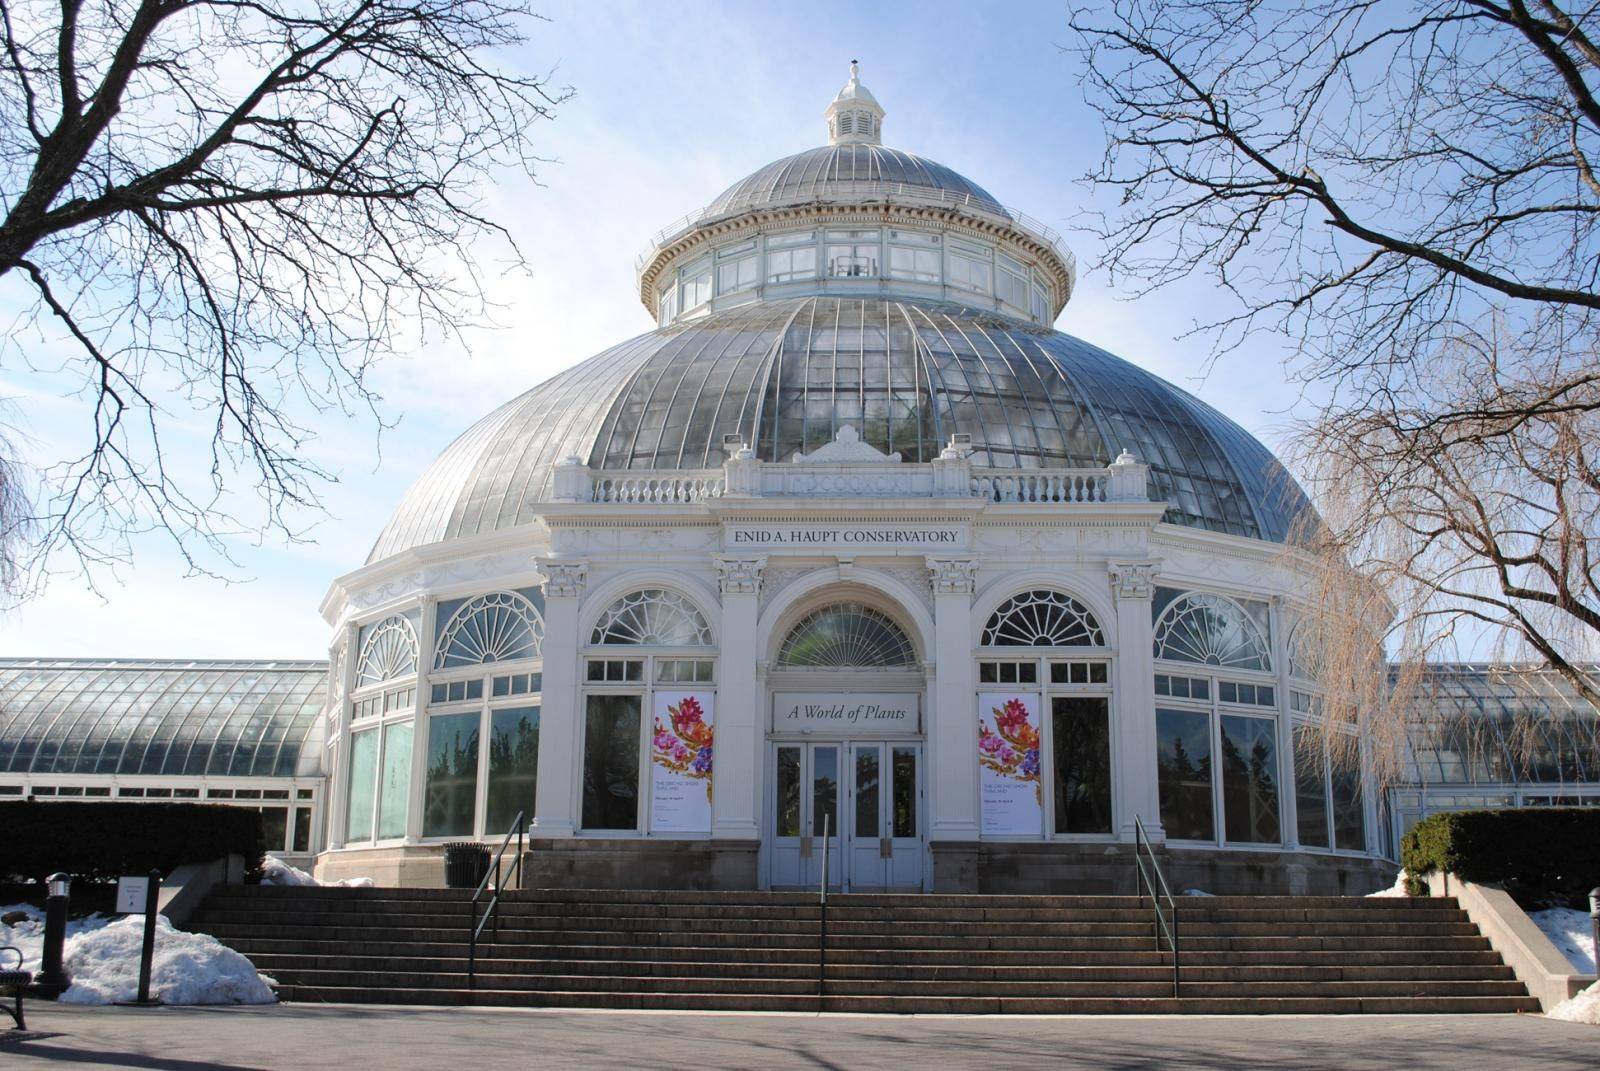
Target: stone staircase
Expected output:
[748,951]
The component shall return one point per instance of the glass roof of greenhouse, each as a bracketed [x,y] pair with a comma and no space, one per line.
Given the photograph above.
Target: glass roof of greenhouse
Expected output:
[173,718]
[1481,724]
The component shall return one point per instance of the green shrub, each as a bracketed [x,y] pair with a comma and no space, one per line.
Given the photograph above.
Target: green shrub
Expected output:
[1539,854]
[102,841]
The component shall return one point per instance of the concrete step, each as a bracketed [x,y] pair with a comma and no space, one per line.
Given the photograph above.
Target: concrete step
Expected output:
[756,1001]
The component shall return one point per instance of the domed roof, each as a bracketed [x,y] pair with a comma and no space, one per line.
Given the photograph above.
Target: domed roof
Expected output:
[849,171]
[786,375]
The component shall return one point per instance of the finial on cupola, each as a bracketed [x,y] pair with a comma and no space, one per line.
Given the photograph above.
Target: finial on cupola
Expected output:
[855,117]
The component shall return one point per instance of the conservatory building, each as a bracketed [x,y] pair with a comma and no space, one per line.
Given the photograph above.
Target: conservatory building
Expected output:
[851,558]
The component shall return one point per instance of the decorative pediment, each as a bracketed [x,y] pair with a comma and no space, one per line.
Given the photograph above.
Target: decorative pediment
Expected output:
[846,449]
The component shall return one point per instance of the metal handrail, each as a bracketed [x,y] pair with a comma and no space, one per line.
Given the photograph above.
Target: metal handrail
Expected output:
[1142,848]
[822,928]
[492,910]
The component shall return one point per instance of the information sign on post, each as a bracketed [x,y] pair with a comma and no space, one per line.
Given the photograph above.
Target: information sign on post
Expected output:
[131,895]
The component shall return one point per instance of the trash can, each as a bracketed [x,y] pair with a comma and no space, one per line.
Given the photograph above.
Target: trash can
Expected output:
[465,864]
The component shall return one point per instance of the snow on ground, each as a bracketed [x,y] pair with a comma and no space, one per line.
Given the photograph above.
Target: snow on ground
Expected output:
[1572,932]
[1197,892]
[101,957]
[1583,1008]
[276,872]
[28,934]
[187,968]
[1397,889]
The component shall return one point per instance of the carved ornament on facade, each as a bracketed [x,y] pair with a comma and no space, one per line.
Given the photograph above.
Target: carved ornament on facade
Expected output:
[563,579]
[740,576]
[1133,580]
[952,576]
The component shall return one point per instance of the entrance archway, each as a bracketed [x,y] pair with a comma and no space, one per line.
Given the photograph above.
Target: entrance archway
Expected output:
[845,747]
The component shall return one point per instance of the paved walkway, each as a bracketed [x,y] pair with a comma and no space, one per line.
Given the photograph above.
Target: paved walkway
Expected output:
[355,1038]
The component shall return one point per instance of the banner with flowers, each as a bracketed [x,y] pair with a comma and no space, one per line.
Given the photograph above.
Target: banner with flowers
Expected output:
[680,763]
[1008,764]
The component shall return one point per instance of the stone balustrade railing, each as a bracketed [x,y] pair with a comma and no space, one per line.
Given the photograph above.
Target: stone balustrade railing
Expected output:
[952,475]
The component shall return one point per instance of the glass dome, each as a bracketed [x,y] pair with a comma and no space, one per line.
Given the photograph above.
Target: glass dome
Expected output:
[786,375]
[849,172]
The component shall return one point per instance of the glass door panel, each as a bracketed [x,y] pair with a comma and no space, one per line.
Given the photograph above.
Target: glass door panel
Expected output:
[903,806]
[824,816]
[868,848]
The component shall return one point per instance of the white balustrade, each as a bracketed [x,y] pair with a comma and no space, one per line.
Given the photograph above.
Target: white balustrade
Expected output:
[1047,486]
[659,487]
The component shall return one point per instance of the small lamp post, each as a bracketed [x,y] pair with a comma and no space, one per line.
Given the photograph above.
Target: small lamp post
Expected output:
[52,980]
[1594,921]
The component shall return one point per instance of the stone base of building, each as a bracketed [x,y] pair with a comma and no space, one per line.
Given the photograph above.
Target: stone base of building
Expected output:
[409,867]
[640,863]
[1097,869]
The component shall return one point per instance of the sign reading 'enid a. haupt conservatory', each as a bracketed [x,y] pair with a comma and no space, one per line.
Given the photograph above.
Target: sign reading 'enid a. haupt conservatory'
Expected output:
[861,537]
[862,713]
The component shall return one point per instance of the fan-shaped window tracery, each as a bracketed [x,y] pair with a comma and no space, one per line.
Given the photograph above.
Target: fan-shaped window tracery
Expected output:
[1042,618]
[1212,631]
[390,651]
[498,627]
[846,636]
[652,617]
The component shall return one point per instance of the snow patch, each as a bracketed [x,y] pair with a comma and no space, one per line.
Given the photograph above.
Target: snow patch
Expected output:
[1197,892]
[1572,932]
[276,872]
[101,956]
[1397,889]
[1583,1008]
[27,935]
[186,968]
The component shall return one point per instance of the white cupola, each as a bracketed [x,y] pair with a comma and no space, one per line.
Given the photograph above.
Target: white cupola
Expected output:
[855,117]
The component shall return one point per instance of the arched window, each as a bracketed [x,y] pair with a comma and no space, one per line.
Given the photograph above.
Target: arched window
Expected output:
[652,618]
[1213,631]
[846,636]
[500,627]
[390,651]
[1042,619]
[1302,660]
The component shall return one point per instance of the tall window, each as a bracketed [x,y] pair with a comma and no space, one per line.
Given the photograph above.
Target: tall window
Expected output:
[382,708]
[1217,723]
[1329,809]
[625,682]
[1078,696]
[482,762]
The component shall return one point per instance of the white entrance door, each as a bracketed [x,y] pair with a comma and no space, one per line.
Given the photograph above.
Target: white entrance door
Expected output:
[868,793]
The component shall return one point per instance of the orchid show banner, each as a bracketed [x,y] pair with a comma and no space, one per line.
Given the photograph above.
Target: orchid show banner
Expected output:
[680,763]
[1008,764]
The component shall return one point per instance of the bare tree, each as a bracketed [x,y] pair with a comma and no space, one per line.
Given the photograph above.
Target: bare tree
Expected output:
[228,211]
[1405,192]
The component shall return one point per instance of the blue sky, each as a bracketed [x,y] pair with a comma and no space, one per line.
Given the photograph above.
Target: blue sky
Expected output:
[673,103]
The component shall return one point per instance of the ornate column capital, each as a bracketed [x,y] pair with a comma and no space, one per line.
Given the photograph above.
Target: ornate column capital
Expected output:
[740,576]
[1133,580]
[563,578]
[952,576]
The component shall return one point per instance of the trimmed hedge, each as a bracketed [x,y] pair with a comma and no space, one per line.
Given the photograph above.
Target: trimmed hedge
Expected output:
[1537,853]
[102,841]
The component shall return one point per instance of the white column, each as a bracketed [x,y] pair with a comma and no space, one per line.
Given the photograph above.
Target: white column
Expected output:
[1133,701]
[952,726]
[735,774]
[419,721]
[560,719]
[338,785]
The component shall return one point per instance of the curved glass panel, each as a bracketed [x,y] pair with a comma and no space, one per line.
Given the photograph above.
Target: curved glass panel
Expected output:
[1477,724]
[846,636]
[1212,631]
[1302,661]
[390,651]
[786,375]
[1042,619]
[814,174]
[245,719]
[651,618]
[499,627]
